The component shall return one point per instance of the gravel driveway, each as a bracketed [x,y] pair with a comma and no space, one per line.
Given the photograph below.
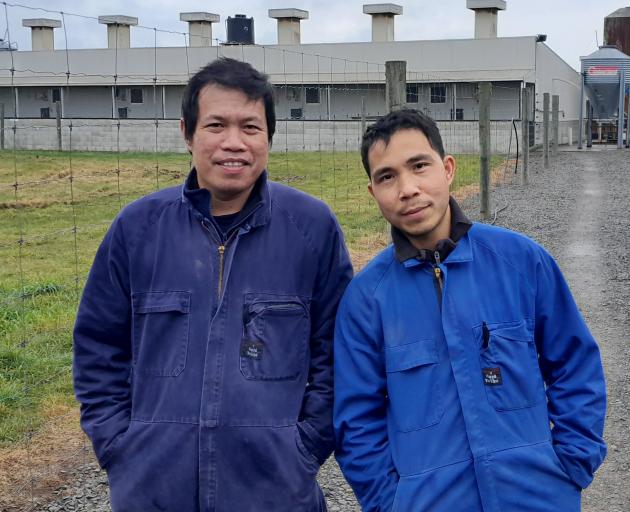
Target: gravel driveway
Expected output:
[577,209]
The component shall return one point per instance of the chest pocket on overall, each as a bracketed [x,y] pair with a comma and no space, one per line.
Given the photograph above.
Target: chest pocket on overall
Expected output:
[413,385]
[276,331]
[160,332]
[509,365]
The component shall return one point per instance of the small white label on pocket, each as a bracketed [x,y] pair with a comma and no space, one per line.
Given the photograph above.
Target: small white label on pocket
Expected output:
[492,376]
[252,350]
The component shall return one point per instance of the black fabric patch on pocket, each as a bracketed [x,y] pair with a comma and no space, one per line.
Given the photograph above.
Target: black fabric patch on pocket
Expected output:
[492,376]
[252,350]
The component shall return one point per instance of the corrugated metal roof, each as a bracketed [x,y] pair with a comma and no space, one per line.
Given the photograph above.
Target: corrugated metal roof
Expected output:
[604,65]
[624,12]
[607,52]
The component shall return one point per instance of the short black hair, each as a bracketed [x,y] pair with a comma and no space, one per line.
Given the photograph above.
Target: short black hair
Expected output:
[405,119]
[231,74]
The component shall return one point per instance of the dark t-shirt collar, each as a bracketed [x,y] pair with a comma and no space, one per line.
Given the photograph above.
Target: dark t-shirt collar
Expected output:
[200,199]
[459,227]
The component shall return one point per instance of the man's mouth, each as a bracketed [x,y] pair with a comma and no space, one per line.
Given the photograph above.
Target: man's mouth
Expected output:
[414,210]
[233,163]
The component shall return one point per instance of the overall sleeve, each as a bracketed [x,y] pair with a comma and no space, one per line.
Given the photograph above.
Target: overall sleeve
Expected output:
[360,412]
[571,366]
[102,346]
[334,274]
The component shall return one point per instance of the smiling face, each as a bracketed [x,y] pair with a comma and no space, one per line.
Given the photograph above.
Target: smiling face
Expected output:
[229,146]
[410,183]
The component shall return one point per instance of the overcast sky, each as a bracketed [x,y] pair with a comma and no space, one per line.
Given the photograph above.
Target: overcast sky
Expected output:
[571,25]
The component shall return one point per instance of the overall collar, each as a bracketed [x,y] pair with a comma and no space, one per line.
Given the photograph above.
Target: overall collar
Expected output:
[460,224]
[258,203]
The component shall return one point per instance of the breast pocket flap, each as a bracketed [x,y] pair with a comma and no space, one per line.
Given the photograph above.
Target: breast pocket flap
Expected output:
[515,333]
[410,355]
[521,330]
[160,332]
[509,366]
[161,302]
[276,334]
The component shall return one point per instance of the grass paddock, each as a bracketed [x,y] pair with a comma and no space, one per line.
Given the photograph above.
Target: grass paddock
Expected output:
[52,222]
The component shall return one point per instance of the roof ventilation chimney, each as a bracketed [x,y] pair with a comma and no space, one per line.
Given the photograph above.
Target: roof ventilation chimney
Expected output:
[486,16]
[118,31]
[42,37]
[288,24]
[382,20]
[199,27]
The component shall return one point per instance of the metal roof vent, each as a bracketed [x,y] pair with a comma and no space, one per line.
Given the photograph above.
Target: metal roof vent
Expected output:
[42,37]
[382,20]
[288,24]
[486,17]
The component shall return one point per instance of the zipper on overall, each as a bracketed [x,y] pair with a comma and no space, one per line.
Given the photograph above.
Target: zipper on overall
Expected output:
[224,245]
[437,272]
[221,250]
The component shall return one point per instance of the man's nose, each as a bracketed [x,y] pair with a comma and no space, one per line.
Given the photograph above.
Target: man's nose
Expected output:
[407,186]
[233,139]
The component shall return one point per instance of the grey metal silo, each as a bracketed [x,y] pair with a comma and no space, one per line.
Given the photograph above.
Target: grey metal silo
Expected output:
[606,80]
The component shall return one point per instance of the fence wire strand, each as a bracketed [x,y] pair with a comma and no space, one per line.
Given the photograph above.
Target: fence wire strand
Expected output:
[58,205]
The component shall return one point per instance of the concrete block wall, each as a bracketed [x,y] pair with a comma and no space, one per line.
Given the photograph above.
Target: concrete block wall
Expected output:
[317,136]
[563,132]
[565,127]
[96,135]
[295,136]
[462,137]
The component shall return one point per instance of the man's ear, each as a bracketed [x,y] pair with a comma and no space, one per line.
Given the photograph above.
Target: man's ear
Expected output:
[182,128]
[370,188]
[450,166]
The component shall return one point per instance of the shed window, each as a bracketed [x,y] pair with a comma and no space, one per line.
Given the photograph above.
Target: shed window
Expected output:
[412,93]
[294,94]
[56,95]
[122,113]
[296,113]
[459,114]
[121,93]
[44,113]
[136,95]
[312,95]
[438,94]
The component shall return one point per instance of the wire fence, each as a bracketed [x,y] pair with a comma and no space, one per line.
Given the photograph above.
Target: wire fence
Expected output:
[64,177]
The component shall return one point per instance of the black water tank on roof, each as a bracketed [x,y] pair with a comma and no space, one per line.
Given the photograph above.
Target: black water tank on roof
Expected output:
[240,29]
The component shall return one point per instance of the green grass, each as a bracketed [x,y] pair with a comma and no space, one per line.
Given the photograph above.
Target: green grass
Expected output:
[41,277]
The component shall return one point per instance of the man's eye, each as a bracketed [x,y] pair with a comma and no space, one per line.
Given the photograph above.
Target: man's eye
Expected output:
[252,127]
[419,165]
[214,126]
[384,178]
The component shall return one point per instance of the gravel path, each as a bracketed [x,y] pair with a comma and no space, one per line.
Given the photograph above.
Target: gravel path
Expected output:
[578,209]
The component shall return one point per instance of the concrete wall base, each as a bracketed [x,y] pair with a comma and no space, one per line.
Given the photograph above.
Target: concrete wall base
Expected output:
[294,136]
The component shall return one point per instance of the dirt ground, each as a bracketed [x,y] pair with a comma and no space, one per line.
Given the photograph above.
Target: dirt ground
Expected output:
[33,470]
